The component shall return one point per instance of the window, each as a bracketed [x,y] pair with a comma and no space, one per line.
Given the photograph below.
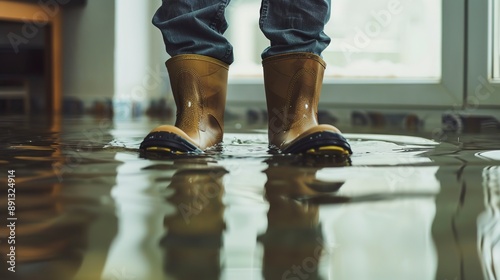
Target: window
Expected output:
[383,53]
[483,57]
[385,38]
[496,39]
[370,39]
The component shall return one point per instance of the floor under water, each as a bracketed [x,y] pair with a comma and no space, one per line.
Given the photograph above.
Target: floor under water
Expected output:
[89,206]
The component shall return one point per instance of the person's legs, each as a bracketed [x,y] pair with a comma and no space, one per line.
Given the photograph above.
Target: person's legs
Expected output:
[293,77]
[194,27]
[198,70]
[294,26]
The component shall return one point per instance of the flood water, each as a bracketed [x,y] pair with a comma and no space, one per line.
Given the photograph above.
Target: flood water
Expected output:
[88,205]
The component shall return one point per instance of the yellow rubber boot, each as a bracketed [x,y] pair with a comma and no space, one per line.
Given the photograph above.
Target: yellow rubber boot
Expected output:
[293,86]
[199,86]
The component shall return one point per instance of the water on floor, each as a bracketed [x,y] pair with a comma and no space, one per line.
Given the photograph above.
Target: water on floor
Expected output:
[87,205]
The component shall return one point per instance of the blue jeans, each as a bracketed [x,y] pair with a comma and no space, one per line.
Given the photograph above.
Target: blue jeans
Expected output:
[196,27]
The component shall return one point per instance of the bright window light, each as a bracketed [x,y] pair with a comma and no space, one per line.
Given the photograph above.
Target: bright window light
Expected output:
[370,39]
[496,39]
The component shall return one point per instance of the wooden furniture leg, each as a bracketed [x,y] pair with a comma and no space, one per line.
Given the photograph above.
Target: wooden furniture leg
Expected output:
[25,12]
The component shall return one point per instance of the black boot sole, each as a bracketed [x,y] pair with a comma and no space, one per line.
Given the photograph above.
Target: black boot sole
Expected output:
[321,143]
[167,142]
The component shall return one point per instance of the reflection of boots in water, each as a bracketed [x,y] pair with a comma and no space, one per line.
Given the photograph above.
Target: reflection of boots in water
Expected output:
[293,242]
[296,177]
[50,237]
[489,223]
[193,237]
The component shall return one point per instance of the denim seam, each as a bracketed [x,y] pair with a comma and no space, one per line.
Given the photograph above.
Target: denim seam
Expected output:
[217,19]
[263,12]
[218,15]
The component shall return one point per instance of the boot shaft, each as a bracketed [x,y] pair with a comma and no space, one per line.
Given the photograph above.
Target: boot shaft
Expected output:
[199,87]
[293,85]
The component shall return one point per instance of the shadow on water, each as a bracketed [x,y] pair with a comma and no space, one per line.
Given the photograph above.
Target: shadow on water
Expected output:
[89,206]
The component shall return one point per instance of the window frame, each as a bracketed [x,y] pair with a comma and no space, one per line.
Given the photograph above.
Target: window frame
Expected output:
[483,90]
[432,93]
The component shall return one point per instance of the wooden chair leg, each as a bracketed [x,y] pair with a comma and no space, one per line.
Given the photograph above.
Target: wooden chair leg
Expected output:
[56,49]
[27,99]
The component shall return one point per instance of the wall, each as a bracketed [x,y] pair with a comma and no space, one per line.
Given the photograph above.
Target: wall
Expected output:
[140,73]
[89,44]
[112,51]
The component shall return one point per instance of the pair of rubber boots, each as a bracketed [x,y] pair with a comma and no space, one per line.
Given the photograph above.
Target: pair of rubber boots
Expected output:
[292,84]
